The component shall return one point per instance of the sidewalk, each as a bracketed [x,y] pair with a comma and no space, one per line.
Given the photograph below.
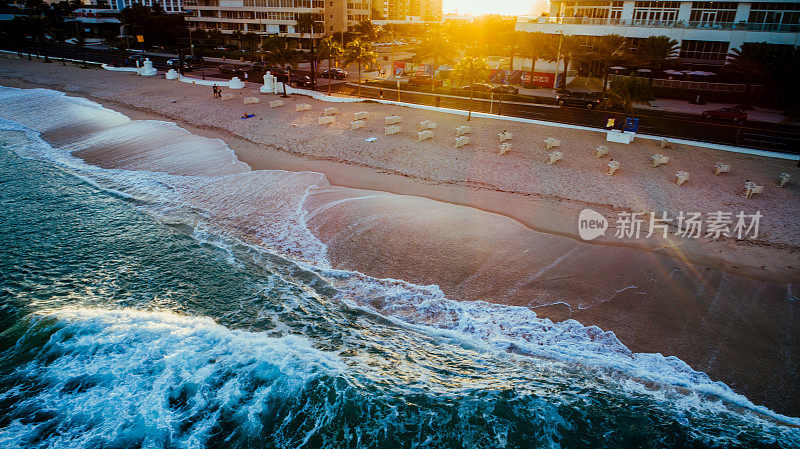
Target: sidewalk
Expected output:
[756,114]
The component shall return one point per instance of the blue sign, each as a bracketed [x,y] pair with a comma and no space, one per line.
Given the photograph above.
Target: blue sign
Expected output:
[631,124]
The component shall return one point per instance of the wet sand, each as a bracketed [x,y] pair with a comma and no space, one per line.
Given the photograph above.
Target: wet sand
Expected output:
[516,243]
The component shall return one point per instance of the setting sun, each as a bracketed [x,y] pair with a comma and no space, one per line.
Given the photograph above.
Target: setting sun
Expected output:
[477,7]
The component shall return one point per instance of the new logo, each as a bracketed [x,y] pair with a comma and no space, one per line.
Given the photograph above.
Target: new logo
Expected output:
[591,224]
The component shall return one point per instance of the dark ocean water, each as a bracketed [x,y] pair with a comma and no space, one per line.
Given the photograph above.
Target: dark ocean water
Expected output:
[123,327]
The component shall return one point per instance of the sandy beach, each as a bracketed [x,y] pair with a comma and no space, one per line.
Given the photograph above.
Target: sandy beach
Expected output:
[727,307]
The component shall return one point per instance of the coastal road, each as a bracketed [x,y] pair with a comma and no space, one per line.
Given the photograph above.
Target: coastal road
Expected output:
[759,135]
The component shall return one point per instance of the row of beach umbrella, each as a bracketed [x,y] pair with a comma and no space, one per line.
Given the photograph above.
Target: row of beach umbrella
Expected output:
[672,72]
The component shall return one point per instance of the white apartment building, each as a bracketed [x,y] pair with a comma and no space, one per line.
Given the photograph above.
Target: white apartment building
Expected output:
[279,16]
[170,6]
[404,11]
[706,31]
[276,16]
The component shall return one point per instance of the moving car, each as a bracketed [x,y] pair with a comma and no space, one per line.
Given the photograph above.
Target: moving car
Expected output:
[236,70]
[425,80]
[479,87]
[733,114]
[301,80]
[337,74]
[588,100]
[505,89]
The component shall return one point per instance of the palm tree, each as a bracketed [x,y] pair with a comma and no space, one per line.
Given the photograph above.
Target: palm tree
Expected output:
[434,47]
[60,35]
[471,69]
[360,52]
[535,47]
[513,43]
[367,29]
[329,49]
[283,54]
[610,49]
[751,61]
[655,51]
[250,40]
[81,43]
[305,24]
[14,30]
[630,91]
[571,48]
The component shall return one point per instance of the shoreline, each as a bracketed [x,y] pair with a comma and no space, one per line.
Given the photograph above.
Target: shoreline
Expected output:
[473,253]
[549,214]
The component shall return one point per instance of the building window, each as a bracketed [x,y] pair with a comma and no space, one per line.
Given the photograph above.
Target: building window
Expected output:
[704,50]
[774,17]
[712,14]
[655,13]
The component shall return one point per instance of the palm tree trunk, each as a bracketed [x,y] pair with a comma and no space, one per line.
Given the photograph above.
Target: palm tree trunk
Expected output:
[433,82]
[533,67]
[471,96]
[359,79]
[329,75]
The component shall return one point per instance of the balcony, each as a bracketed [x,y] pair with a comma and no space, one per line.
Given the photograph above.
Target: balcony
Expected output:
[744,26]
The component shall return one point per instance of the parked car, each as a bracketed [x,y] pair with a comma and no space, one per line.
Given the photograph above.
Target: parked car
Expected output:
[131,60]
[279,73]
[228,69]
[337,74]
[733,114]
[301,80]
[260,67]
[588,100]
[425,80]
[175,64]
[194,60]
[505,89]
[479,87]
[235,70]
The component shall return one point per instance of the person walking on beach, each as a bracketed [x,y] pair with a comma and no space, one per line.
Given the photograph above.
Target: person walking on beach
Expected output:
[214,89]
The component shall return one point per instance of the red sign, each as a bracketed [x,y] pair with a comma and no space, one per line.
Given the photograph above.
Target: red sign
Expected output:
[540,79]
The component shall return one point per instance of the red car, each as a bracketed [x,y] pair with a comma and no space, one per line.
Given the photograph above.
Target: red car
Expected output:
[732,114]
[425,80]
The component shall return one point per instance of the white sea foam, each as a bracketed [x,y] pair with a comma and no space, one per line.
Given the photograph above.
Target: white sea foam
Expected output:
[121,373]
[266,209]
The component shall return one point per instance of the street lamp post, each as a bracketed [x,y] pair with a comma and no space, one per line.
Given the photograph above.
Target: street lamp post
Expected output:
[558,60]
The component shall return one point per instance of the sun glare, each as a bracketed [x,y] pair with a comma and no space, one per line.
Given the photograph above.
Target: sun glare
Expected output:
[477,7]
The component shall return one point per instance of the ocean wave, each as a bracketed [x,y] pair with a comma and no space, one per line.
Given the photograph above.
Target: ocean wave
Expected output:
[149,379]
[265,209]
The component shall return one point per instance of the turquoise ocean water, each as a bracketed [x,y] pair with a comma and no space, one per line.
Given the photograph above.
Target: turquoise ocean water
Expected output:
[134,315]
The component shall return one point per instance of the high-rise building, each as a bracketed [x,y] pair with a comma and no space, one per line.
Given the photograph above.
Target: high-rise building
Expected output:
[280,16]
[407,10]
[258,16]
[706,31]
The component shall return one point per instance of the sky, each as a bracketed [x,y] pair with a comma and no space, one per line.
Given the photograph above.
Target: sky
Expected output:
[476,7]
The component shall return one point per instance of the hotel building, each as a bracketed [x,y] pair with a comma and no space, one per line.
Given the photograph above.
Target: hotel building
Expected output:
[706,31]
